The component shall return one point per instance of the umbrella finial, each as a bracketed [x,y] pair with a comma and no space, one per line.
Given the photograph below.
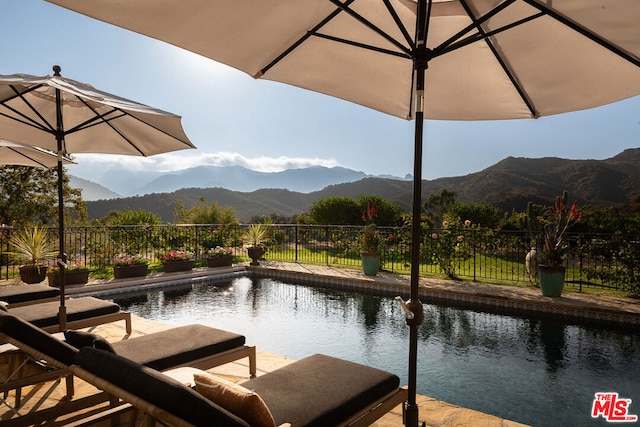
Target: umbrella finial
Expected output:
[56,70]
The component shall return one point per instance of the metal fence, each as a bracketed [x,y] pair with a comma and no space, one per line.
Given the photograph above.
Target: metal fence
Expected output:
[609,261]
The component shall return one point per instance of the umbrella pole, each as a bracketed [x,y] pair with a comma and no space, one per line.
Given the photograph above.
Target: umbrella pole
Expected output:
[416,314]
[62,257]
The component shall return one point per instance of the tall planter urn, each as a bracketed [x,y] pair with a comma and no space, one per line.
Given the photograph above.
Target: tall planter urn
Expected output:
[551,280]
[173,266]
[255,253]
[370,263]
[128,271]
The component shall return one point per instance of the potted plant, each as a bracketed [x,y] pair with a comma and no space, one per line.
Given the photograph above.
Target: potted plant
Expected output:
[254,236]
[32,248]
[560,217]
[125,266]
[177,260]
[219,257]
[74,274]
[370,241]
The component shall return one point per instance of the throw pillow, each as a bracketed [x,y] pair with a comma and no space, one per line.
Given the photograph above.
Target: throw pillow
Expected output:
[80,339]
[236,399]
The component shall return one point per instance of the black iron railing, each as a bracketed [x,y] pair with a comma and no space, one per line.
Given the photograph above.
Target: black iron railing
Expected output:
[609,261]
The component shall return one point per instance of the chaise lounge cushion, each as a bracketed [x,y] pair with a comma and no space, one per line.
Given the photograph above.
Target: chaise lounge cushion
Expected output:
[46,314]
[177,346]
[17,294]
[19,331]
[321,390]
[155,388]
[79,339]
[234,398]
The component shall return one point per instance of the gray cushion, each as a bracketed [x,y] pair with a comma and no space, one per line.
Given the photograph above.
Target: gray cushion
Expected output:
[80,339]
[16,294]
[173,347]
[155,388]
[46,314]
[37,339]
[321,390]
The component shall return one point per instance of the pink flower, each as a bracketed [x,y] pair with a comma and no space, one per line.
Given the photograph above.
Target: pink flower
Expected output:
[460,238]
[434,236]
[445,223]
[467,223]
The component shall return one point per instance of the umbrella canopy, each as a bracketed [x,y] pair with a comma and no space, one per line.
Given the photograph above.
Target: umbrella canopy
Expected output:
[67,116]
[14,153]
[440,59]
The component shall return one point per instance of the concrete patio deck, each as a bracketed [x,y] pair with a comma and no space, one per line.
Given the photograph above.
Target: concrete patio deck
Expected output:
[433,412]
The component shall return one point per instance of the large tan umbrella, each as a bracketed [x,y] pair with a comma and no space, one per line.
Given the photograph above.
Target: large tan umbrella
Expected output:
[14,153]
[415,59]
[67,116]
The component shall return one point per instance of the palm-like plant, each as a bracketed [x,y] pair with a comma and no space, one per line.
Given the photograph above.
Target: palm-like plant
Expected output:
[255,235]
[32,246]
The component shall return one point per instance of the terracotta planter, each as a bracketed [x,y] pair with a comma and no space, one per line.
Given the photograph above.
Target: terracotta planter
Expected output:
[127,271]
[224,261]
[173,266]
[255,252]
[79,277]
[31,274]
[551,280]
[370,263]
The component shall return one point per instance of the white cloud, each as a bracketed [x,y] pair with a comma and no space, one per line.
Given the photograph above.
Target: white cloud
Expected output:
[90,164]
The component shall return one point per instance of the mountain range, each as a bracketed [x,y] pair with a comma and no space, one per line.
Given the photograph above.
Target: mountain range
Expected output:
[509,184]
[116,182]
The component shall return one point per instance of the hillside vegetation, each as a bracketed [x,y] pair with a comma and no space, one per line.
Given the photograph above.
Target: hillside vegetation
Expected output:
[507,185]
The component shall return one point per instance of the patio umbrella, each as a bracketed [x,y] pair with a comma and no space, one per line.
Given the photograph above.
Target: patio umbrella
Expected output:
[14,153]
[66,116]
[415,59]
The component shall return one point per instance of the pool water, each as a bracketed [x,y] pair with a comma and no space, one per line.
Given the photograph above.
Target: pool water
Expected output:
[534,371]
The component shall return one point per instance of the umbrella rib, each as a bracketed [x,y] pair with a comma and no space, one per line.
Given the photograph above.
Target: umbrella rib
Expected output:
[34,160]
[27,120]
[482,35]
[298,42]
[344,7]
[363,46]
[399,23]
[101,118]
[584,31]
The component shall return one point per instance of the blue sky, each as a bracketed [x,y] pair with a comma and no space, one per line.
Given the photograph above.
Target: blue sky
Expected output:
[267,126]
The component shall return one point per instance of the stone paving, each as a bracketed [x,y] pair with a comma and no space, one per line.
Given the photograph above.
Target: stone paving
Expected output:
[433,412]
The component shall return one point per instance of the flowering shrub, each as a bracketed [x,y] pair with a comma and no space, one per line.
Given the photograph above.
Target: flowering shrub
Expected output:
[176,255]
[126,260]
[219,252]
[448,246]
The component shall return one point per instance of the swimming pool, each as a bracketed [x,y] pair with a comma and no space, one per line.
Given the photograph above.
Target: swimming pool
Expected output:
[534,371]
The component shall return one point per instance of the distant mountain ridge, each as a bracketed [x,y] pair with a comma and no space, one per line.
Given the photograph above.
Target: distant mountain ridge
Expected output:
[237,178]
[509,184]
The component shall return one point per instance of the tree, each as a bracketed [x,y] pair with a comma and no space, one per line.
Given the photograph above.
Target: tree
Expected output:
[438,204]
[30,195]
[335,210]
[130,217]
[205,213]
[478,213]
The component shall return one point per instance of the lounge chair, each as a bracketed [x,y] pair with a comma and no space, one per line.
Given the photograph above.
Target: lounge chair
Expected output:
[15,296]
[192,345]
[82,312]
[315,391]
